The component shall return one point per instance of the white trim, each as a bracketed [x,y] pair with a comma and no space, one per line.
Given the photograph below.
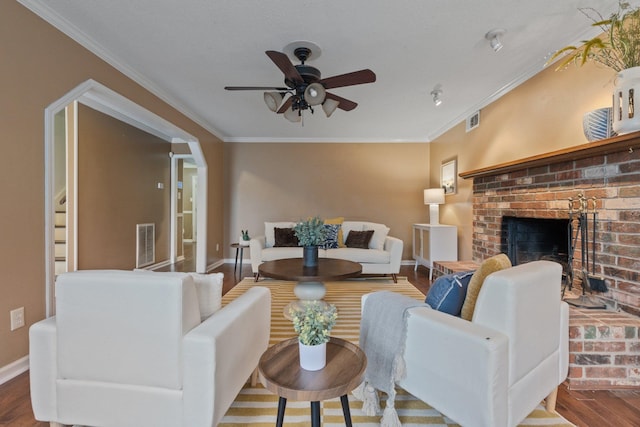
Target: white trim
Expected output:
[215,265]
[46,13]
[408,262]
[13,369]
[363,140]
[94,94]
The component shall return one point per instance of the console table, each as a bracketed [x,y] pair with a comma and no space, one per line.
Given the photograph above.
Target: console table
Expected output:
[434,242]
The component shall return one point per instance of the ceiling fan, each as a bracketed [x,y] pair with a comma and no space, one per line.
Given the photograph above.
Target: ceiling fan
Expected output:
[306,87]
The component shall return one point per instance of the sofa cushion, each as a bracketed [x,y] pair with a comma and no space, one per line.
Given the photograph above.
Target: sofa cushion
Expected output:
[338,220]
[380,232]
[364,256]
[209,291]
[347,226]
[332,232]
[359,239]
[269,233]
[448,292]
[208,288]
[285,237]
[488,266]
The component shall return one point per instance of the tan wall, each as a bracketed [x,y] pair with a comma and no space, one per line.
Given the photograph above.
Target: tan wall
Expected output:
[43,66]
[543,114]
[119,167]
[374,182]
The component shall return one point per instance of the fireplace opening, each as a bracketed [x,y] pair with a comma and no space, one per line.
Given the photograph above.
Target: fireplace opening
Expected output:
[531,239]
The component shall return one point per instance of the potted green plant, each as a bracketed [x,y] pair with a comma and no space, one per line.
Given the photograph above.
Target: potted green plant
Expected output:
[311,233]
[313,320]
[619,49]
[244,237]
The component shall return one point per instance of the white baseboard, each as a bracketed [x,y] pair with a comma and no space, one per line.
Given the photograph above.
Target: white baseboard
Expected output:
[408,262]
[12,370]
[215,265]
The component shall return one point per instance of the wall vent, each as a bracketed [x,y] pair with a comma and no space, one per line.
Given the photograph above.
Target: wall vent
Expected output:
[145,244]
[473,121]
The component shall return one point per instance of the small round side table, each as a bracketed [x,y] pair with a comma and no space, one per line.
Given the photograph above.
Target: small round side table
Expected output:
[239,249]
[280,373]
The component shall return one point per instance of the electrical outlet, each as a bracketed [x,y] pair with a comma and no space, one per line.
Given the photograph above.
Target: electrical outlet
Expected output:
[217,247]
[17,318]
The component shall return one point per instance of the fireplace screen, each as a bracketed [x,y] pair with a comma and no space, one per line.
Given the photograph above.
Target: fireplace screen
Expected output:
[530,239]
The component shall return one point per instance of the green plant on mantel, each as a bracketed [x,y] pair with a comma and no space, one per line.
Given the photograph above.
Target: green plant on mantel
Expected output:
[618,48]
[310,232]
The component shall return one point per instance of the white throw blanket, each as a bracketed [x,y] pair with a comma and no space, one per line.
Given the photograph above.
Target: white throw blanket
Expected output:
[382,337]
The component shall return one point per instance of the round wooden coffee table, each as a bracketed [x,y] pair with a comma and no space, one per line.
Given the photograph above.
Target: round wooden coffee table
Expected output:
[280,372]
[310,286]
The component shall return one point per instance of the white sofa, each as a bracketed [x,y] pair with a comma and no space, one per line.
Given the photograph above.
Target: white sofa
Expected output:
[383,257]
[494,370]
[130,349]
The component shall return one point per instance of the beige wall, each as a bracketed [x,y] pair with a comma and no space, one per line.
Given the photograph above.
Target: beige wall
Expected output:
[374,182]
[543,114]
[119,167]
[39,66]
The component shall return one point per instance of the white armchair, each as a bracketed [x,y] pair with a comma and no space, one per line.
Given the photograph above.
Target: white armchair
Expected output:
[494,370]
[129,349]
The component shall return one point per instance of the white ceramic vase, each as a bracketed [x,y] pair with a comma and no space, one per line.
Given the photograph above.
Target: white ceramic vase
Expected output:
[313,357]
[626,96]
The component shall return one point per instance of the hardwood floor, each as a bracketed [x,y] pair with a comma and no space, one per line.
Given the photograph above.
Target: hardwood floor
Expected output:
[620,408]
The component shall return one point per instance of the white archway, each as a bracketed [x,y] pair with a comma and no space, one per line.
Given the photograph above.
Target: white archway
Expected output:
[105,100]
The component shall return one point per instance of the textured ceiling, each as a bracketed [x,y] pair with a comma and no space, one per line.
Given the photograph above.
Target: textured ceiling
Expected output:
[186,51]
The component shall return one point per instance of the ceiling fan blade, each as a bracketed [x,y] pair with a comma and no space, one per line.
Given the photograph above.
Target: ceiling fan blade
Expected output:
[349,79]
[285,105]
[279,89]
[344,104]
[285,65]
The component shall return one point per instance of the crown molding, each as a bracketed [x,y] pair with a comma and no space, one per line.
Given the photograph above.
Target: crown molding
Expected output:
[324,140]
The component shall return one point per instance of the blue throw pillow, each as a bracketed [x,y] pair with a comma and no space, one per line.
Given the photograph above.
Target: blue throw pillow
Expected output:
[331,235]
[448,292]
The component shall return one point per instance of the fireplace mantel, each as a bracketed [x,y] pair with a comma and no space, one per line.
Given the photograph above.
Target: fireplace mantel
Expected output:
[629,141]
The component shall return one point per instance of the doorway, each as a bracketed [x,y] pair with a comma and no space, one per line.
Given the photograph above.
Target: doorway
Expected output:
[103,99]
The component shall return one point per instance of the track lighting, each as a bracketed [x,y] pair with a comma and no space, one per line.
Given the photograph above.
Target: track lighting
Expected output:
[494,38]
[436,93]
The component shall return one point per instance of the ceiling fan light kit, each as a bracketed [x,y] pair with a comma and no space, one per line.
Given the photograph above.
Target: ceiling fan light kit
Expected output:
[305,86]
[273,100]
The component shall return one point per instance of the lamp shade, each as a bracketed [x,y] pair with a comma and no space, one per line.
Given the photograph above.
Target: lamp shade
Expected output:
[329,106]
[434,196]
[292,116]
[273,100]
[314,94]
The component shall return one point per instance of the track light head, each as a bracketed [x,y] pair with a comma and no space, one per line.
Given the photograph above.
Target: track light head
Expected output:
[436,95]
[494,38]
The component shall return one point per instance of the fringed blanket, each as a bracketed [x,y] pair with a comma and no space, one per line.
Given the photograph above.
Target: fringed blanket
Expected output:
[382,337]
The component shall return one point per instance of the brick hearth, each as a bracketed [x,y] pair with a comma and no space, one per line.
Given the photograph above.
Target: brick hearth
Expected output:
[539,187]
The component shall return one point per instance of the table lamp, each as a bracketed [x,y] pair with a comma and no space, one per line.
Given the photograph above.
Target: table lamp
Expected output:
[434,197]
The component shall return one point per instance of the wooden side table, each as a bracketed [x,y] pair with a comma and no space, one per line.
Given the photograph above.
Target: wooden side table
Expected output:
[280,373]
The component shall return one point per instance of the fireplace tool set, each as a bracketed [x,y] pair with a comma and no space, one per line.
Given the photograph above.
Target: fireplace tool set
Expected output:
[582,211]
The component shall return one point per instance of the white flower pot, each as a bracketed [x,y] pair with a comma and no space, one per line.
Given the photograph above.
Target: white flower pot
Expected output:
[626,97]
[313,357]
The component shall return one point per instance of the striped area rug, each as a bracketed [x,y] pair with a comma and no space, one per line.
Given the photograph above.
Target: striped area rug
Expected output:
[257,407]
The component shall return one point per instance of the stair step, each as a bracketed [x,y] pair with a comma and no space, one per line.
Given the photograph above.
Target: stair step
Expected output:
[60,219]
[61,266]
[60,234]
[61,250]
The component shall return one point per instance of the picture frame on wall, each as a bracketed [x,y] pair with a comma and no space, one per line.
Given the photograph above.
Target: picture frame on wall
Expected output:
[448,176]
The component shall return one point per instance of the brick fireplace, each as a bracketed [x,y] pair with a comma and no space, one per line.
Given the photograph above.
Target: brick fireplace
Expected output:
[604,353]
